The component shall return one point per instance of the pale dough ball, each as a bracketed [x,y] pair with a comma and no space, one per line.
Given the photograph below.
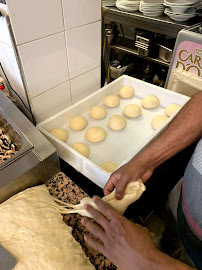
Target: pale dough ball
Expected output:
[158,120]
[117,122]
[150,102]
[132,110]
[126,92]
[97,112]
[78,123]
[108,166]
[60,133]
[112,101]
[171,109]
[81,148]
[95,134]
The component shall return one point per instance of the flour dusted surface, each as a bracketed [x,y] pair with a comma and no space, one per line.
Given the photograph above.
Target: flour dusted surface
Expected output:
[32,229]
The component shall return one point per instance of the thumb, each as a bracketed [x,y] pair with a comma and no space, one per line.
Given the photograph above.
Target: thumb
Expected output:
[120,189]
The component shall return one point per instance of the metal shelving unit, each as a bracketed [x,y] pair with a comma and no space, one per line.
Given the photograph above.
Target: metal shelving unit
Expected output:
[161,24]
[134,52]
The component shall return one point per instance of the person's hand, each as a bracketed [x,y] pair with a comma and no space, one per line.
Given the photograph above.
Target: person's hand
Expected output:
[129,246]
[131,171]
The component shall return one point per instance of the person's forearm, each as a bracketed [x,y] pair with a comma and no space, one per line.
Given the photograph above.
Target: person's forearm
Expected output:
[182,131]
[165,262]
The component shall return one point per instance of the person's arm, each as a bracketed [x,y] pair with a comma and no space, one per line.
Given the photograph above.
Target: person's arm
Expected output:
[182,131]
[129,246]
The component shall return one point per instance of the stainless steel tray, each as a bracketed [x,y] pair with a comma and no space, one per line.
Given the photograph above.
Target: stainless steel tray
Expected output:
[18,138]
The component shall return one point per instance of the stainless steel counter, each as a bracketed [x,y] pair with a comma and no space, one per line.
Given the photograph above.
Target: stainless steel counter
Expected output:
[161,24]
[37,159]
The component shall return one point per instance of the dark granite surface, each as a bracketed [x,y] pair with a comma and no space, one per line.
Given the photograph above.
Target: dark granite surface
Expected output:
[64,189]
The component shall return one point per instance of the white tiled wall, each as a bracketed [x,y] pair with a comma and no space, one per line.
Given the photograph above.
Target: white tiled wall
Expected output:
[44,63]
[59,45]
[83,48]
[10,66]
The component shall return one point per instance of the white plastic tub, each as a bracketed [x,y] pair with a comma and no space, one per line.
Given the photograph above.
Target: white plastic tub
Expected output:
[119,146]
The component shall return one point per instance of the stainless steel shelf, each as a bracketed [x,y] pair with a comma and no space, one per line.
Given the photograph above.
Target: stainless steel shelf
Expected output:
[134,52]
[161,24]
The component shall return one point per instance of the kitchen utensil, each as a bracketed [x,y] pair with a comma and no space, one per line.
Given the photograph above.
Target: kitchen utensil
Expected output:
[7,261]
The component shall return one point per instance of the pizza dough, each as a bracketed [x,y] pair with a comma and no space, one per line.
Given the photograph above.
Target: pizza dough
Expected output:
[126,92]
[81,148]
[78,123]
[158,120]
[171,109]
[95,134]
[133,192]
[60,133]
[33,231]
[97,112]
[112,101]
[117,122]
[132,110]
[150,102]
[109,166]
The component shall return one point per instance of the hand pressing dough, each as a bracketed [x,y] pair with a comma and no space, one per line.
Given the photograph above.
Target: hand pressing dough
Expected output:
[33,231]
[158,120]
[97,112]
[117,122]
[171,109]
[126,92]
[133,192]
[112,101]
[150,102]
[60,133]
[109,166]
[95,134]
[132,110]
[78,123]
[81,148]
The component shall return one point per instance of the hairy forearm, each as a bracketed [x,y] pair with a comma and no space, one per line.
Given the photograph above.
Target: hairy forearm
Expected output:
[163,261]
[182,131]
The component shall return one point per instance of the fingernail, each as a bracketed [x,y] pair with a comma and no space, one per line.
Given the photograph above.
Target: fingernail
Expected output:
[82,220]
[119,196]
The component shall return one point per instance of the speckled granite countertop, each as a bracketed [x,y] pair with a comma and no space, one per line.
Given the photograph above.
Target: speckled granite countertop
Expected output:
[64,189]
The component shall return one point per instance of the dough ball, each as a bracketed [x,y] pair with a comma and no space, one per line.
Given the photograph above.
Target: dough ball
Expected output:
[112,101]
[132,110]
[150,102]
[108,166]
[171,109]
[81,148]
[158,120]
[60,133]
[126,92]
[97,112]
[78,123]
[95,134]
[117,122]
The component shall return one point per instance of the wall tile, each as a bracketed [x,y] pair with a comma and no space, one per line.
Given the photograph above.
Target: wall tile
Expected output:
[84,48]
[4,32]
[51,102]
[44,63]
[81,12]
[85,84]
[9,63]
[32,20]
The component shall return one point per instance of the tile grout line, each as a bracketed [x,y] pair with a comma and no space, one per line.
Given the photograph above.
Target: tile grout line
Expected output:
[65,30]
[65,82]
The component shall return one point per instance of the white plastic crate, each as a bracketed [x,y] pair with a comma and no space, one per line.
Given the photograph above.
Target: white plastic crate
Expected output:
[119,146]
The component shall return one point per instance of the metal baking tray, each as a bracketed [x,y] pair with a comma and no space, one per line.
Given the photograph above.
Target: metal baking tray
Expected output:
[119,146]
[18,139]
